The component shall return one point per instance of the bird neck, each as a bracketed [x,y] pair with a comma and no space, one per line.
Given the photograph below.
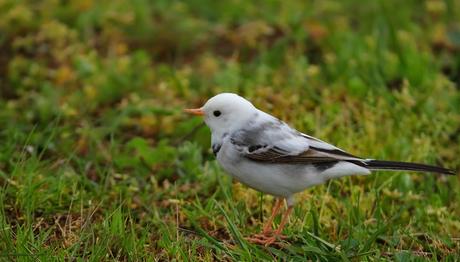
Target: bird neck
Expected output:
[218,137]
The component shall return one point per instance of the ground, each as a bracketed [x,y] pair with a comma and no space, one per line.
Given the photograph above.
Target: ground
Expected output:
[97,160]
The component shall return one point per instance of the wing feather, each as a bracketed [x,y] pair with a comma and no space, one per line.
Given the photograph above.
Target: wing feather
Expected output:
[309,156]
[274,141]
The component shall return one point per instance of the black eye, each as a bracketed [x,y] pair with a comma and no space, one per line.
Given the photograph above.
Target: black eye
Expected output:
[217,113]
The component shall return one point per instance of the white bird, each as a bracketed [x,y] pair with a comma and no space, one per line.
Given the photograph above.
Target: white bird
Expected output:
[266,154]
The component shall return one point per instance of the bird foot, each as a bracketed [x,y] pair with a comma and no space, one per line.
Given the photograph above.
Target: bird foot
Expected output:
[265,239]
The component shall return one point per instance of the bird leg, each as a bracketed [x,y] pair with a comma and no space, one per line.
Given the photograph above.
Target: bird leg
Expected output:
[285,218]
[268,225]
[268,236]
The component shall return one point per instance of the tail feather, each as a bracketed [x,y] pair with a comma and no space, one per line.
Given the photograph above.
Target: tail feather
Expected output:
[394,165]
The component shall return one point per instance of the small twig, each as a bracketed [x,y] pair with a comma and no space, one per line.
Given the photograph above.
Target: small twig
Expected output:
[189,231]
[417,253]
[88,219]
[39,223]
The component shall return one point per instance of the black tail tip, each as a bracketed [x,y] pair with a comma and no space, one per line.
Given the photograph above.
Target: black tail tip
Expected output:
[444,171]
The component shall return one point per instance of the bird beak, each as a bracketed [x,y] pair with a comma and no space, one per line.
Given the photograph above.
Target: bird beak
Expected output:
[195,111]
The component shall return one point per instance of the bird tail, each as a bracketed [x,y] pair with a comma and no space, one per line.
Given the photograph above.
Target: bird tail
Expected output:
[394,165]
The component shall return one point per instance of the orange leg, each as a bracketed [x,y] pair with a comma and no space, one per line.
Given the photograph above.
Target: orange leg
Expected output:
[268,225]
[283,221]
[267,237]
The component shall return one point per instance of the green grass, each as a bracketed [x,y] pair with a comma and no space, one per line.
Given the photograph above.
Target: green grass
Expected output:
[97,161]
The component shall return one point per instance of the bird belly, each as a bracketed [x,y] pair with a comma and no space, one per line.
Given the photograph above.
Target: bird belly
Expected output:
[282,180]
[276,179]
[279,180]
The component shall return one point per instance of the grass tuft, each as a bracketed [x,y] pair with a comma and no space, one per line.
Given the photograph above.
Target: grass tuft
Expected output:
[97,161]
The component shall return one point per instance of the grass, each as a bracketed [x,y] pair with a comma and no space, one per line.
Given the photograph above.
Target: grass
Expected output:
[97,161]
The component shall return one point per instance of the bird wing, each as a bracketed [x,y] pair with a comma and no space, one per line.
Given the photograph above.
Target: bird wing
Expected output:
[273,141]
[267,139]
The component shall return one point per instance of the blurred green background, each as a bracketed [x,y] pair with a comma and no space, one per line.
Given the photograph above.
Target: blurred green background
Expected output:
[97,160]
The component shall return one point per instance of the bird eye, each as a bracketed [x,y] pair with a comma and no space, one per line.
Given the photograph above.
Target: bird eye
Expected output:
[217,113]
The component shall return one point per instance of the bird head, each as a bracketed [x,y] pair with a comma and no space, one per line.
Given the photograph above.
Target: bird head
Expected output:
[225,112]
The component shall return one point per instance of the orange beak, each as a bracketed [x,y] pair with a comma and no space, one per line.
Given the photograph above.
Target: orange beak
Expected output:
[195,111]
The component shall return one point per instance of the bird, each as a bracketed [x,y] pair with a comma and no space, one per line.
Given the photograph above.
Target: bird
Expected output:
[266,154]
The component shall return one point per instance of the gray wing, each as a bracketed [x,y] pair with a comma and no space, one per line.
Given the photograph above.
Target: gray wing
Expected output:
[274,141]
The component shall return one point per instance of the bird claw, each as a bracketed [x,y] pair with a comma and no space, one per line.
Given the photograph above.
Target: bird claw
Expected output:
[265,239]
